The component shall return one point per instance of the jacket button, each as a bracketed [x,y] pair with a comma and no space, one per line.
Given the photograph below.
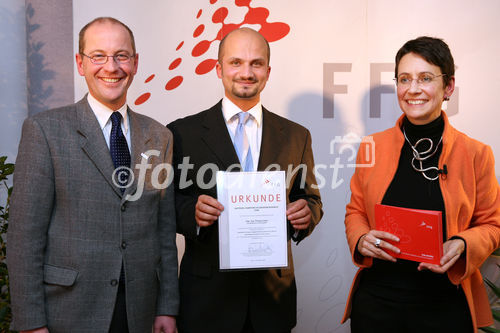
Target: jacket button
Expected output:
[123,207]
[114,282]
[124,245]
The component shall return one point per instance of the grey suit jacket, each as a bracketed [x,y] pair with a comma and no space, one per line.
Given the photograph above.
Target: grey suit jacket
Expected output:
[71,228]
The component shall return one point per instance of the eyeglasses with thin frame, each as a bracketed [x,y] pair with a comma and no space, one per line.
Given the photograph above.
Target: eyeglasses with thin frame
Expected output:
[423,79]
[101,59]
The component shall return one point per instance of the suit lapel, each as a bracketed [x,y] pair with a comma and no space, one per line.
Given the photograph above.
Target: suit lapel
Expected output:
[139,137]
[272,139]
[93,143]
[216,137]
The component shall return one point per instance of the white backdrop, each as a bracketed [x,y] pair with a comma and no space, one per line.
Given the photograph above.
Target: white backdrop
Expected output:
[349,39]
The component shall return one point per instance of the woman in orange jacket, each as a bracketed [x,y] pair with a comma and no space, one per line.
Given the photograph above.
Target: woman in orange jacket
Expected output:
[423,163]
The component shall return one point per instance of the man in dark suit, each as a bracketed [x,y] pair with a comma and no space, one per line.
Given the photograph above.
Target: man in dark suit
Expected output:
[238,301]
[91,249]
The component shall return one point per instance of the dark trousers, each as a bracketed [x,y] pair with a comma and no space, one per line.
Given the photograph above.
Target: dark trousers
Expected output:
[247,328]
[119,320]
[374,314]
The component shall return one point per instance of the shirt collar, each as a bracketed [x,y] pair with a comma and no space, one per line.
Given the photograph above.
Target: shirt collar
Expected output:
[229,109]
[103,113]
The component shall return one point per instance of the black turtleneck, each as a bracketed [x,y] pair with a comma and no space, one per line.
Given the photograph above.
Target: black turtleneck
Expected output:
[410,189]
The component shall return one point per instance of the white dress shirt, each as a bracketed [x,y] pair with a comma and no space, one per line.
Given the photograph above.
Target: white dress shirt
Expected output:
[103,115]
[253,129]
[253,126]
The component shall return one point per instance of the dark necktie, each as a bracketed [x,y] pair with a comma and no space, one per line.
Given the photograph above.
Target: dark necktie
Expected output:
[119,151]
[121,158]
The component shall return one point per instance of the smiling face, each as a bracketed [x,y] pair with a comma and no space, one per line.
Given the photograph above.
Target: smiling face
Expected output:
[421,103]
[244,67]
[107,83]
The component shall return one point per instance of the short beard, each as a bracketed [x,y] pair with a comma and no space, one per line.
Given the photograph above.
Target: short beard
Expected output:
[245,93]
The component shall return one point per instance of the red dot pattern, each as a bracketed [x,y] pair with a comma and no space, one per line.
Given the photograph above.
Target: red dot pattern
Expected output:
[174,83]
[272,31]
[199,30]
[175,64]
[143,98]
[205,66]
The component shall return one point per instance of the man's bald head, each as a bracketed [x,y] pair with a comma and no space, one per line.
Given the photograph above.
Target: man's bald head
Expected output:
[238,33]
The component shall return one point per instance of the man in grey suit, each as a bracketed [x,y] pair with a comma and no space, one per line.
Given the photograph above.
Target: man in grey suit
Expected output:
[86,253]
[263,301]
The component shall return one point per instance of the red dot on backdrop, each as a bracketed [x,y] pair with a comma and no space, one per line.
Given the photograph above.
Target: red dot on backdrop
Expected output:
[175,63]
[199,13]
[242,3]
[179,46]
[220,15]
[213,1]
[198,30]
[143,98]
[200,48]
[274,31]
[174,83]
[152,76]
[257,16]
[205,66]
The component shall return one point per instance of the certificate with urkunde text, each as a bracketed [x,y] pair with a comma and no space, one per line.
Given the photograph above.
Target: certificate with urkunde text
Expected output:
[252,227]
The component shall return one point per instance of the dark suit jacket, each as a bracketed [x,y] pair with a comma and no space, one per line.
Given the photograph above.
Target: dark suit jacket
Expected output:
[214,301]
[70,227]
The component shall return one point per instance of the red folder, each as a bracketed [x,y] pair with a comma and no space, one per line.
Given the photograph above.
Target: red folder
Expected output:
[419,231]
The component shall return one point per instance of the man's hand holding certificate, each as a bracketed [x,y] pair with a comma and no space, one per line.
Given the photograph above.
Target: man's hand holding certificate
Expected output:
[252,226]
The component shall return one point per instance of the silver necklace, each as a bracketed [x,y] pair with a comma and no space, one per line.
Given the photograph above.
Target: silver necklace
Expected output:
[418,156]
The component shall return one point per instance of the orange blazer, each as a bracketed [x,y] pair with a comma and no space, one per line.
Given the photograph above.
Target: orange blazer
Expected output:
[471,195]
